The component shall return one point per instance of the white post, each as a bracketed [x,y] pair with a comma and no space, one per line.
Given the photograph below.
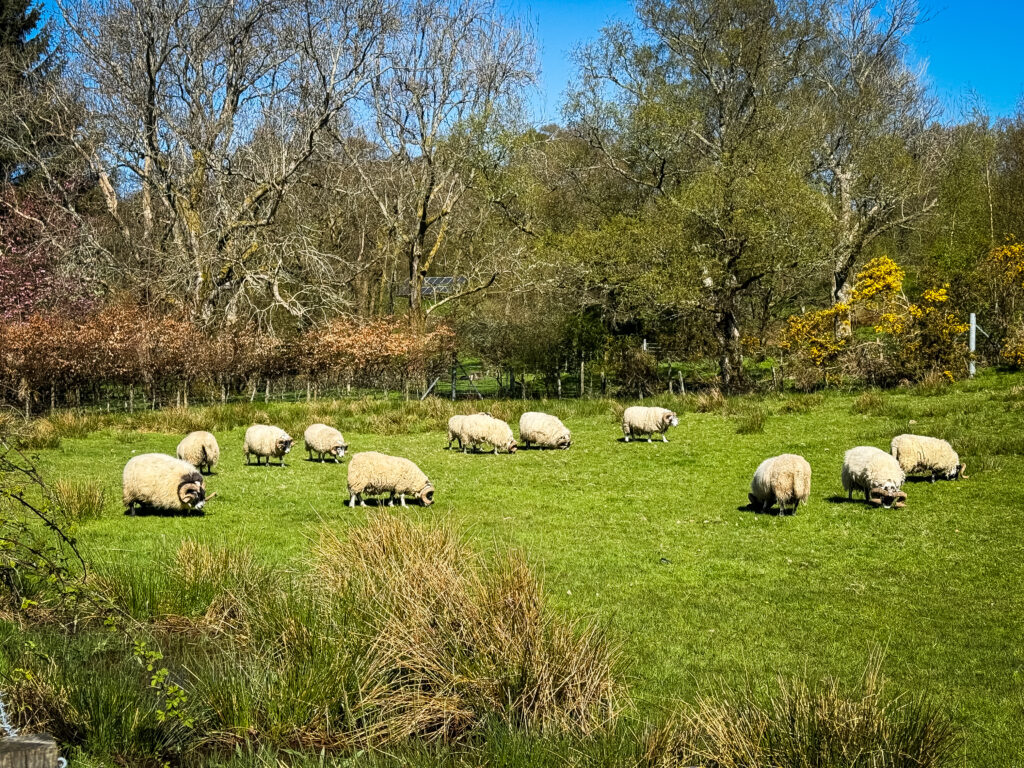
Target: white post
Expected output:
[645,345]
[971,344]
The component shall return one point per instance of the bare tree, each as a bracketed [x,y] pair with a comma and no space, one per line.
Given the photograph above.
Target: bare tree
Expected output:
[444,84]
[876,159]
[207,114]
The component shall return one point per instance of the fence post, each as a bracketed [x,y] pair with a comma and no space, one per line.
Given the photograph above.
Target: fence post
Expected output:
[582,380]
[972,344]
[454,374]
[36,751]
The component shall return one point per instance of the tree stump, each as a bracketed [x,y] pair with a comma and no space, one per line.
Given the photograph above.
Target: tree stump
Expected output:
[35,751]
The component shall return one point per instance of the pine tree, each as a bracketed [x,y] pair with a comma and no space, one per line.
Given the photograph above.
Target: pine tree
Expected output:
[27,61]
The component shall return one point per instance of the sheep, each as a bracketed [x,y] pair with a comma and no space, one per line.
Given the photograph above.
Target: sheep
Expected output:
[455,426]
[641,420]
[920,454]
[785,479]
[199,449]
[545,430]
[321,439]
[162,482]
[481,428]
[262,440]
[876,473]
[455,429]
[373,473]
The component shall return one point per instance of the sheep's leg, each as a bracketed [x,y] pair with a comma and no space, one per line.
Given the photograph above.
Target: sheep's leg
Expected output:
[664,437]
[933,477]
[626,437]
[391,500]
[649,439]
[403,499]
[495,450]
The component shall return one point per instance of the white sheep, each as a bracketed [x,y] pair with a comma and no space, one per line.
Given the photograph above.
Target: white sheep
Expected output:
[162,482]
[200,449]
[642,420]
[322,439]
[785,479]
[927,455]
[374,473]
[266,441]
[479,428]
[545,430]
[876,473]
[455,426]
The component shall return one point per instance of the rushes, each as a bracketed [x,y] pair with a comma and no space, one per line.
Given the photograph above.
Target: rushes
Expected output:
[452,643]
[799,726]
[80,501]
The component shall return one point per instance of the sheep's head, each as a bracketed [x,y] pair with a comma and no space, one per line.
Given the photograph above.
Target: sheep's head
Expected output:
[192,491]
[512,447]
[563,441]
[888,496]
[427,494]
[670,420]
[339,450]
[284,444]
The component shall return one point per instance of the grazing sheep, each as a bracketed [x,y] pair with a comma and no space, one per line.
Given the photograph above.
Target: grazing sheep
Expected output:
[162,482]
[785,479]
[199,449]
[270,442]
[374,473]
[876,473]
[927,455]
[321,439]
[641,420]
[455,429]
[545,430]
[481,428]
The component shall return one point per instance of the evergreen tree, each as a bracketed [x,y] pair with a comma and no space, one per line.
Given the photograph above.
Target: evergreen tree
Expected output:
[27,62]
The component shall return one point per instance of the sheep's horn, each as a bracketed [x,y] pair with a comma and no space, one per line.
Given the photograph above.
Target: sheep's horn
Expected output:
[211,495]
[901,500]
[874,496]
[960,472]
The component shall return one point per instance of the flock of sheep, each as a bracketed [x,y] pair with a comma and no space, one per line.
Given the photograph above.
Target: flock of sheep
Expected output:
[177,484]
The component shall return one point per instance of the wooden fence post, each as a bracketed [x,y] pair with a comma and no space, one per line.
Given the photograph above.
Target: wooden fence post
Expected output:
[36,751]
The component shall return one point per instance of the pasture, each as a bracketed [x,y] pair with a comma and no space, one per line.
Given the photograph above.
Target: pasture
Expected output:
[655,541]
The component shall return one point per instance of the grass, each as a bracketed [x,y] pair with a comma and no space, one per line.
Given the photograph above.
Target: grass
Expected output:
[652,539]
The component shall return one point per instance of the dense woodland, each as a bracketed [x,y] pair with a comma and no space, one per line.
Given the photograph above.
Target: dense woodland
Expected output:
[232,192]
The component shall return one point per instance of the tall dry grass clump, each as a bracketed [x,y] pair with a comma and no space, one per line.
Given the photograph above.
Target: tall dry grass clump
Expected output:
[80,501]
[452,643]
[800,726]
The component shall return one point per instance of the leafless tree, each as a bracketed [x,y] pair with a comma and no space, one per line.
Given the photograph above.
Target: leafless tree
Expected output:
[206,115]
[876,159]
[445,82]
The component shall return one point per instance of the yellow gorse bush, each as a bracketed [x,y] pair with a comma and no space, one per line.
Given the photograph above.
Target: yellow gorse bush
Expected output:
[912,338]
[881,278]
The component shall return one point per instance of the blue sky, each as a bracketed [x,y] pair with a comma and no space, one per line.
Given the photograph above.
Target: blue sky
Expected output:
[967,47]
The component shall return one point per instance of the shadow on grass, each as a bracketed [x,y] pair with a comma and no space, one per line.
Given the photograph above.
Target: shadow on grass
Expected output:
[772,511]
[142,511]
[837,499]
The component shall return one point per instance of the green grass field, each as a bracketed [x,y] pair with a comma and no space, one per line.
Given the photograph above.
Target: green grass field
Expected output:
[654,539]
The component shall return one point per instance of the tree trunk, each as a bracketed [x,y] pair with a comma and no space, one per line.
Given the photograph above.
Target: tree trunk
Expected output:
[841,294]
[727,335]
